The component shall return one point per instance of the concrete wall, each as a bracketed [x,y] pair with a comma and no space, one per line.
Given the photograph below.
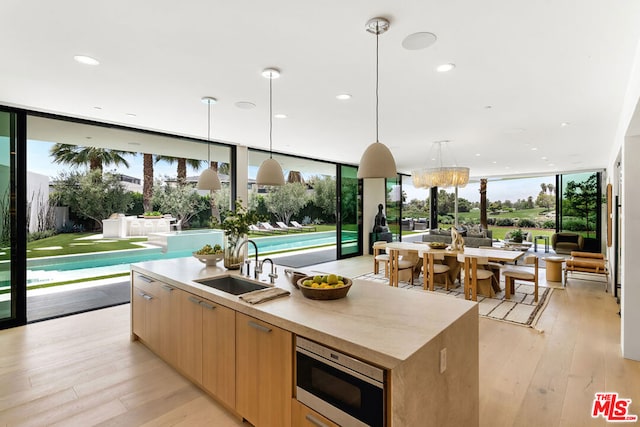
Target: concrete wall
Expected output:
[630,330]
[626,149]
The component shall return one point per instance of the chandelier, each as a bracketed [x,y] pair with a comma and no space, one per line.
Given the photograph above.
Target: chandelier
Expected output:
[439,175]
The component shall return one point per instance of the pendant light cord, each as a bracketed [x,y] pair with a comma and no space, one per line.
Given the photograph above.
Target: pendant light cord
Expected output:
[208,133]
[377,36]
[270,115]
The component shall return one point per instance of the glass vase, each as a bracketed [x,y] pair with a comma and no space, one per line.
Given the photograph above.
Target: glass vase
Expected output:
[233,259]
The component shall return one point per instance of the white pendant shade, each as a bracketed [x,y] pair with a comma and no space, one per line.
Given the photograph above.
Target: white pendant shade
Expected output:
[377,162]
[270,173]
[209,180]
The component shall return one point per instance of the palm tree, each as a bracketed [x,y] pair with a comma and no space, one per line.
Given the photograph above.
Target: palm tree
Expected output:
[94,157]
[147,183]
[182,165]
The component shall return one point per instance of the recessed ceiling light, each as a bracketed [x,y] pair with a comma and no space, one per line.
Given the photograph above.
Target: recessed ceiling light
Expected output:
[494,162]
[543,158]
[417,41]
[86,60]
[477,154]
[564,124]
[245,105]
[131,115]
[534,149]
[343,96]
[488,107]
[551,164]
[445,67]
[280,116]
[97,108]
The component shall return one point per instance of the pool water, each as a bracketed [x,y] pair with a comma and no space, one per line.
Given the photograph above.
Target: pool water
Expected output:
[40,270]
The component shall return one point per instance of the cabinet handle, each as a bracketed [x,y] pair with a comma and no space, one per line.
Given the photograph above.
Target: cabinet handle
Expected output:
[259,326]
[316,422]
[207,306]
[145,278]
[167,288]
[194,300]
[145,296]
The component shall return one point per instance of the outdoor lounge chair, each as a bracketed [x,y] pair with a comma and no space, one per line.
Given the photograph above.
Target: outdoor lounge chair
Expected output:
[285,227]
[255,229]
[299,226]
[271,228]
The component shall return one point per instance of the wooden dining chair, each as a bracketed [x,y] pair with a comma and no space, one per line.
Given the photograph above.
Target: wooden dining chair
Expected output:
[511,275]
[380,255]
[397,263]
[474,274]
[431,269]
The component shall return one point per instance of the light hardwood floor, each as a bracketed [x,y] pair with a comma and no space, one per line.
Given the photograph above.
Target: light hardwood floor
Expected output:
[82,370]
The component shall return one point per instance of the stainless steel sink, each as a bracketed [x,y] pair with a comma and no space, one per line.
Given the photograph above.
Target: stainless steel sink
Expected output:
[232,285]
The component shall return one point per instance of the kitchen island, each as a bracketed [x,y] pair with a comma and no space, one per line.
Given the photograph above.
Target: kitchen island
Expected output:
[426,343]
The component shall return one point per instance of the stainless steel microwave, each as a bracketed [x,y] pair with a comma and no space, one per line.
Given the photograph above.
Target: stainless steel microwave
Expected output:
[343,389]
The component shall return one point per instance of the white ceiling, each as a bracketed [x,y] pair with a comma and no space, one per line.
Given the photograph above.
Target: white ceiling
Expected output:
[536,64]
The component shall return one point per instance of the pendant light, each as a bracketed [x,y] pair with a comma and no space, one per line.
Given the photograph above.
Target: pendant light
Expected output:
[377,160]
[270,171]
[209,179]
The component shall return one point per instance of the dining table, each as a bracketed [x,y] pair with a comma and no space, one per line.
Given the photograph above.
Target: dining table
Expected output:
[416,251]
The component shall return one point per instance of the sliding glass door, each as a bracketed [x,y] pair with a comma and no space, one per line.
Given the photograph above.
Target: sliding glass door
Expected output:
[580,207]
[12,303]
[349,212]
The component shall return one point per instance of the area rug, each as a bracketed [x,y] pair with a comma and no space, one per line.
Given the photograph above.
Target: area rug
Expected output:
[519,310]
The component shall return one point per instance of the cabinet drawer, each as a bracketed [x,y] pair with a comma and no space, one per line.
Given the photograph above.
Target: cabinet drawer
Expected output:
[151,285]
[303,416]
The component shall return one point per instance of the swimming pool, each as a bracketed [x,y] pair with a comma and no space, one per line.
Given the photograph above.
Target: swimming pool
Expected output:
[40,270]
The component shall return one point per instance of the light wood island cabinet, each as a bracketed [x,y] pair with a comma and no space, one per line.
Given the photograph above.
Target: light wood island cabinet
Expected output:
[193,334]
[303,416]
[427,343]
[264,372]
[219,352]
[146,318]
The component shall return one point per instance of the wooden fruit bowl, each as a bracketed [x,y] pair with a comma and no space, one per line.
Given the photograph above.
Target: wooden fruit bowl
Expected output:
[324,294]
[437,245]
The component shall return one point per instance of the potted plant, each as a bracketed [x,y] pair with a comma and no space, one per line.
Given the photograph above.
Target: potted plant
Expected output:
[236,227]
[517,236]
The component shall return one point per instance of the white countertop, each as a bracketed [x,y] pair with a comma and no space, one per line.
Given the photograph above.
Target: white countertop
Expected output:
[375,322]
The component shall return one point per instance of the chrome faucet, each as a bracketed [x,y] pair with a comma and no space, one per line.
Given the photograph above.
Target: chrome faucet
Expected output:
[274,271]
[258,268]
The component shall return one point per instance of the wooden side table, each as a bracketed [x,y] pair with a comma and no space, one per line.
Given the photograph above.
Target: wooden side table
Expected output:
[554,268]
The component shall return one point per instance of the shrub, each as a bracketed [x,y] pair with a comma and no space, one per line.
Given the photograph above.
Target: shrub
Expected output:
[527,223]
[574,225]
[491,221]
[549,224]
[444,219]
[504,222]
[37,235]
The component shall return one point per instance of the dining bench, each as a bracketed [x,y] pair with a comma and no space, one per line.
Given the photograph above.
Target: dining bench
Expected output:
[587,262]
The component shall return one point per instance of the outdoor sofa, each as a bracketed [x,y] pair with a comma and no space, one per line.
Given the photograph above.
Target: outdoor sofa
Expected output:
[472,240]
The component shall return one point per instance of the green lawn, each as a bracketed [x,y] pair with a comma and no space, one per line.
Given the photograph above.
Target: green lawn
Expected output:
[81,243]
[75,243]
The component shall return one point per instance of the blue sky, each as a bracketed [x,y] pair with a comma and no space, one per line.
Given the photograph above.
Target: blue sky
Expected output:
[39,161]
